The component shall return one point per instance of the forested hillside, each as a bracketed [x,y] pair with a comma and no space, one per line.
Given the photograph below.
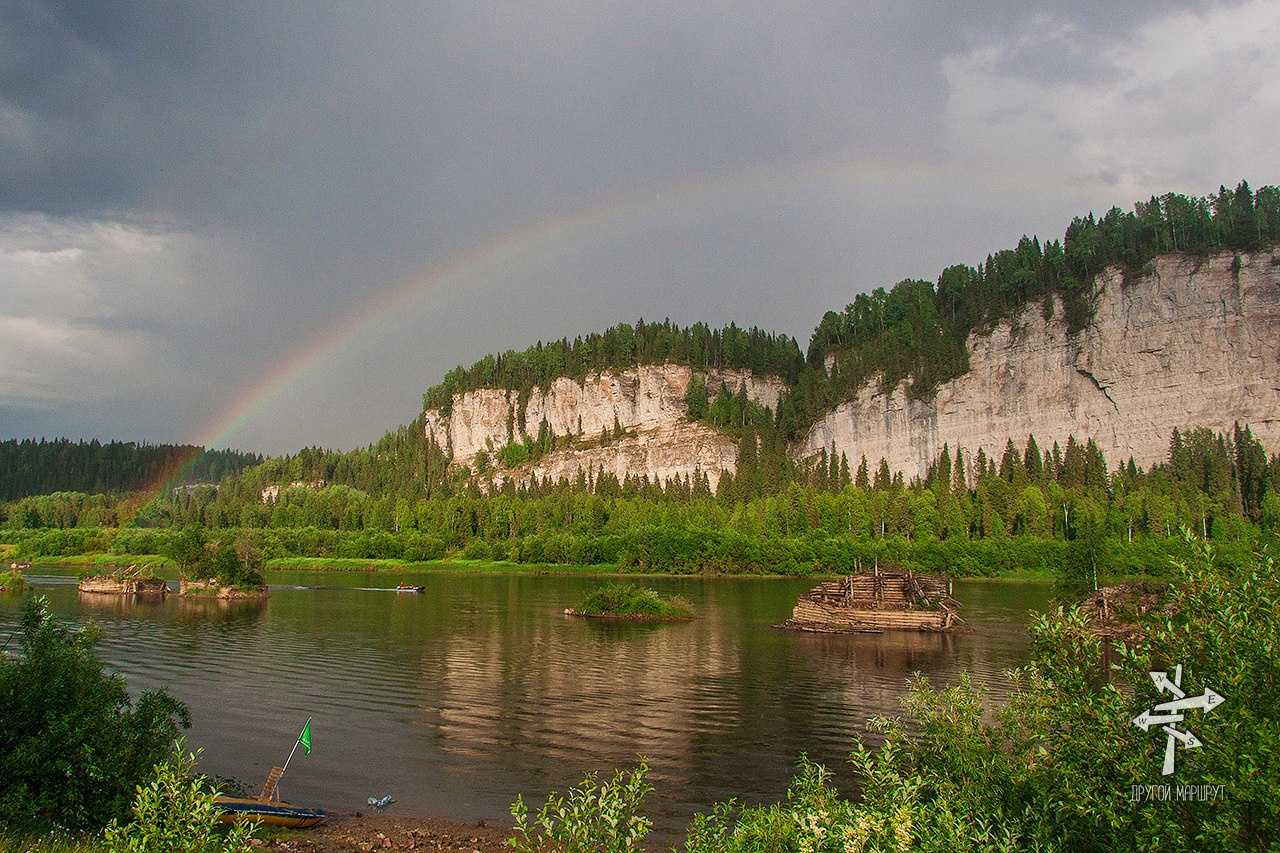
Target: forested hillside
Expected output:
[37,467]
[619,347]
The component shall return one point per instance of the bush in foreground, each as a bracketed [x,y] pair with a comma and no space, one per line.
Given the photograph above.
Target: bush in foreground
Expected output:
[73,745]
[591,818]
[177,812]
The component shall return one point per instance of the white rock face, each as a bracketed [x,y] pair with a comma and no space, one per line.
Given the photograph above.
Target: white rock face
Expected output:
[1192,344]
[680,449]
[647,400]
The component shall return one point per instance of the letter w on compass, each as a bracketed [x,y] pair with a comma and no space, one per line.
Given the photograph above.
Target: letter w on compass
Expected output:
[1167,714]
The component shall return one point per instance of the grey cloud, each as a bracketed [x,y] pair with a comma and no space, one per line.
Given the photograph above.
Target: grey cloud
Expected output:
[294,162]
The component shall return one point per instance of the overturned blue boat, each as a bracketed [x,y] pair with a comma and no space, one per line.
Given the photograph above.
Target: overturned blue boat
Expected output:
[274,813]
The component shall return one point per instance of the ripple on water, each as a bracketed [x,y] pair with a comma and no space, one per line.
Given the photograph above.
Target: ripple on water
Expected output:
[479,688]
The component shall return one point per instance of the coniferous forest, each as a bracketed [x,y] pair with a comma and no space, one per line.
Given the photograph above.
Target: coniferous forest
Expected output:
[35,467]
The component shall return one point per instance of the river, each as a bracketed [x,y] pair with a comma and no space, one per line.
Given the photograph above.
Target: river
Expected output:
[456,699]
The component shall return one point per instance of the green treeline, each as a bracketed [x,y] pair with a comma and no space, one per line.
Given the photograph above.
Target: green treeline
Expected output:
[970,515]
[621,347]
[31,467]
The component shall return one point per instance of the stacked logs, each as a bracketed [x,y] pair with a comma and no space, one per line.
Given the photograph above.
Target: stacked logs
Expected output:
[110,585]
[880,601]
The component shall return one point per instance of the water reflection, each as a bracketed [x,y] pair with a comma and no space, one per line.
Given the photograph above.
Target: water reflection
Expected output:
[239,611]
[459,697]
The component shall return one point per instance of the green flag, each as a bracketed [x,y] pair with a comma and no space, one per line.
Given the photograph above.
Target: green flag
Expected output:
[305,737]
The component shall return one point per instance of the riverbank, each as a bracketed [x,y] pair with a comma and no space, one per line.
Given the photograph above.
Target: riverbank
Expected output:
[359,832]
[356,565]
[339,834]
[353,565]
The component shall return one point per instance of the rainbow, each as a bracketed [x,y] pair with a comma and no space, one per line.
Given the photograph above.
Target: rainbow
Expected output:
[525,240]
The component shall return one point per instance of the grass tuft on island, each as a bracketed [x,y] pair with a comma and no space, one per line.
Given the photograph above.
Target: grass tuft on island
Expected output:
[634,603]
[12,580]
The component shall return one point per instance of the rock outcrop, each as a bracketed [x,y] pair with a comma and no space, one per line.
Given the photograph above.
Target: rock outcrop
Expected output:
[1193,342]
[677,449]
[647,402]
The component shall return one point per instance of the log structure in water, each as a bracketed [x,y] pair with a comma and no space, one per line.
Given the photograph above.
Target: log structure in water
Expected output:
[878,601]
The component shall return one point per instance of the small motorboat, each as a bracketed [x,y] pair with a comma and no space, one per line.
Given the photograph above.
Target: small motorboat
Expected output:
[402,587]
[275,813]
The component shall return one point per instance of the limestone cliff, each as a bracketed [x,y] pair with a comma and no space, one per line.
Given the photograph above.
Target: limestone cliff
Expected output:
[1194,342]
[647,402]
[677,449]
[1191,342]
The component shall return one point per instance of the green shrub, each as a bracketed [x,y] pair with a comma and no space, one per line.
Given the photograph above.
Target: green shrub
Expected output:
[624,599]
[591,818]
[232,561]
[177,812]
[421,548]
[73,745]
[477,549]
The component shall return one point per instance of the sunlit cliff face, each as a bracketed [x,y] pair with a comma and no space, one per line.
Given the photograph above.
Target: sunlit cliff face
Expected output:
[1193,342]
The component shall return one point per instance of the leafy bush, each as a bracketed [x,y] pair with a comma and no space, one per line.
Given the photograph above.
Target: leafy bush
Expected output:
[624,599]
[62,543]
[591,818]
[177,812]
[477,549]
[232,561]
[422,548]
[73,744]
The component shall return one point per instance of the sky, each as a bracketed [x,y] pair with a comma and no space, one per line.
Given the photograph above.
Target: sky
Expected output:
[271,225]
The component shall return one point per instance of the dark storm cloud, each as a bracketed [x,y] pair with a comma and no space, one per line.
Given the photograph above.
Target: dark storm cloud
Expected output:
[193,191]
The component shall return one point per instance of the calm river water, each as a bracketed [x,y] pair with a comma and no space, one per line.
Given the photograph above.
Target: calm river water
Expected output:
[456,699]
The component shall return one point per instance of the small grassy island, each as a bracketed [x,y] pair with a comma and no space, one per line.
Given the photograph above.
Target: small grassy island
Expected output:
[12,580]
[633,603]
[222,568]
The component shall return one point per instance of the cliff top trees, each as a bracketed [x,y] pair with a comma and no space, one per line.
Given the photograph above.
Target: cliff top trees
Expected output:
[916,331]
[620,347]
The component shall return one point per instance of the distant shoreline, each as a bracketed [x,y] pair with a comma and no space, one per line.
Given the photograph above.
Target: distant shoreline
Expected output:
[459,566]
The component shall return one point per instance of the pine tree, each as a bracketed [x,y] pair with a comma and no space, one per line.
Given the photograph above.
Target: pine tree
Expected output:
[959,486]
[883,478]
[748,468]
[1033,462]
[942,474]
